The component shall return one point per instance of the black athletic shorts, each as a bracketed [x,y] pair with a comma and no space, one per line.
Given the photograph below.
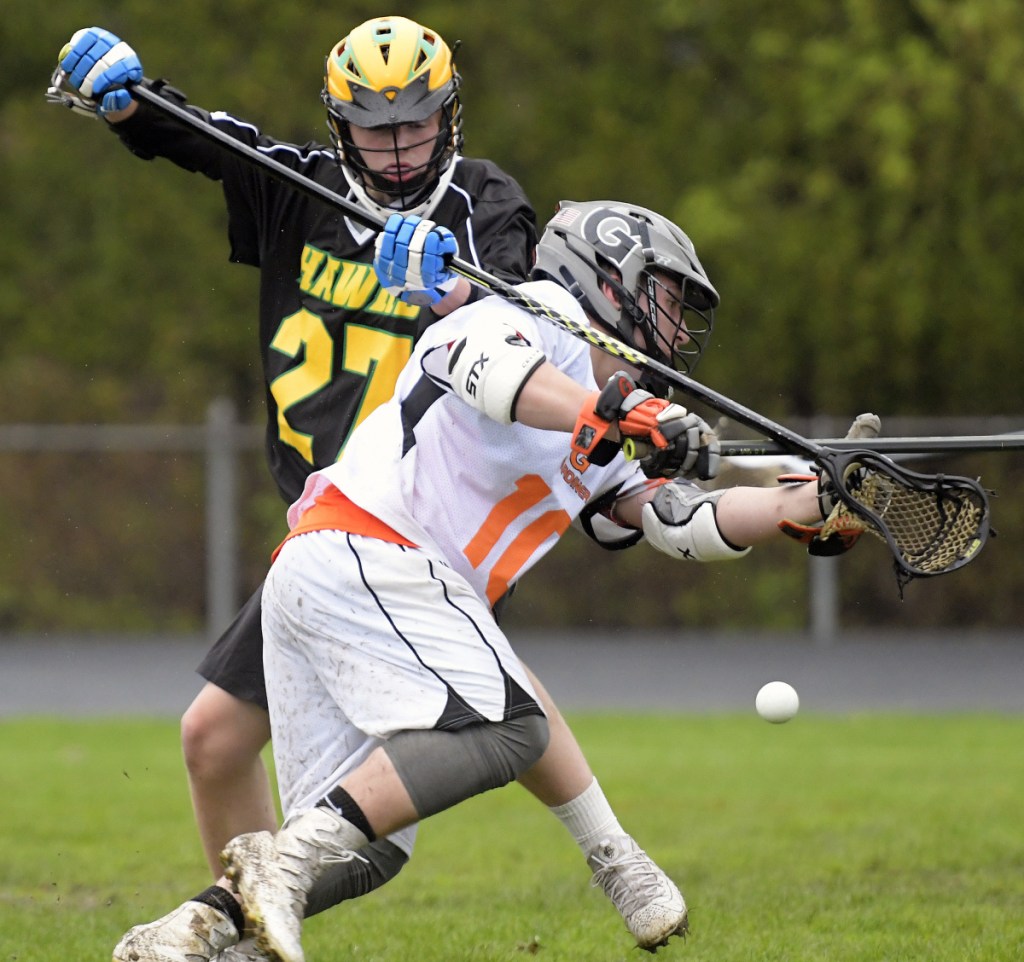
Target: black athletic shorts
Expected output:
[235,662]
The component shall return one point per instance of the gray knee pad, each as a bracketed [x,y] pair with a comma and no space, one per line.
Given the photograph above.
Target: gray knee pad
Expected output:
[349,880]
[440,769]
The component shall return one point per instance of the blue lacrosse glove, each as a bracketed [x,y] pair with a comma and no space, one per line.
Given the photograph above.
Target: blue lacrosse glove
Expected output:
[97,64]
[411,259]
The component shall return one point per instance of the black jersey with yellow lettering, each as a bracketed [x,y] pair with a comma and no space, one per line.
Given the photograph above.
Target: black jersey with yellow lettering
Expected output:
[332,340]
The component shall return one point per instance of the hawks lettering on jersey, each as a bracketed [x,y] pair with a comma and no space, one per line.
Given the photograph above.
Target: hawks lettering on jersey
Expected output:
[348,284]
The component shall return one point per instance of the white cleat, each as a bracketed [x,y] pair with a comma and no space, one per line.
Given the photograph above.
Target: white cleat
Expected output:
[647,899]
[273,899]
[274,873]
[245,951]
[193,932]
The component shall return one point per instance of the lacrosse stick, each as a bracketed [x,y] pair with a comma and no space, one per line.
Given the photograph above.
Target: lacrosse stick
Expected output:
[932,524]
[953,444]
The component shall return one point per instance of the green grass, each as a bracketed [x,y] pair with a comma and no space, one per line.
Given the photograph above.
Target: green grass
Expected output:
[858,838]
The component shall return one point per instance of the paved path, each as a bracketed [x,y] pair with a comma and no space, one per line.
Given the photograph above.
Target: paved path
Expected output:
[724,673]
[605,671]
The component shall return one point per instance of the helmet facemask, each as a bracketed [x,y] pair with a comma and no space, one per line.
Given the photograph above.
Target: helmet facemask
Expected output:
[676,341]
[667,327]
[415,183]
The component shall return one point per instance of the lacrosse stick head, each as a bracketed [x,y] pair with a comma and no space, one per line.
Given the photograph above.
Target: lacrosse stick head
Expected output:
[62,95]
[932,523]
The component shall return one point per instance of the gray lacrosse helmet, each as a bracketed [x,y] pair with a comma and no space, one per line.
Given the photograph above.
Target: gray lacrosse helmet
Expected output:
[626,246]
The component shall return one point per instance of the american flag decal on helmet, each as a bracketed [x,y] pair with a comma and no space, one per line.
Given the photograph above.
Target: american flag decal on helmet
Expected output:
[564,217]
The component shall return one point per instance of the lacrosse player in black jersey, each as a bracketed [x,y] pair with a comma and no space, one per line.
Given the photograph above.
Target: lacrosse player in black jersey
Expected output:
[333,342]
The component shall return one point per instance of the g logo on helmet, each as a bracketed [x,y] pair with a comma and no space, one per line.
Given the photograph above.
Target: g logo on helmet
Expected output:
[612,234]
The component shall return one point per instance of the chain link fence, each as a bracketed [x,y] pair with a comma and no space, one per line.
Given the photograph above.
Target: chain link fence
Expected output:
[126,528]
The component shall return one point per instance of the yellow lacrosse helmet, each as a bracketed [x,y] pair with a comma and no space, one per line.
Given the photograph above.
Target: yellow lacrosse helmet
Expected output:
[387,72]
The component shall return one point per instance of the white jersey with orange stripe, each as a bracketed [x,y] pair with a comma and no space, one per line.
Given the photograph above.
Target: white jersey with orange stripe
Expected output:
[489,499]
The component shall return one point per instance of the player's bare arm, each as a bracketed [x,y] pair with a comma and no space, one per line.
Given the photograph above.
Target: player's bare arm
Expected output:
[745,515]
[551,400]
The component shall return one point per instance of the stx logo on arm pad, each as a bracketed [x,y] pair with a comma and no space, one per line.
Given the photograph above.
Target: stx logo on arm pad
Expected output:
[473,377]
[490,365]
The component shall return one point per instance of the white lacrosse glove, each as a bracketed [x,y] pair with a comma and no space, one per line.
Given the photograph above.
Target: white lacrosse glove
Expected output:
[411,258]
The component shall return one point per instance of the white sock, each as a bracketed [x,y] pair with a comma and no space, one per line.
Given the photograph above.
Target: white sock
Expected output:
[588,817]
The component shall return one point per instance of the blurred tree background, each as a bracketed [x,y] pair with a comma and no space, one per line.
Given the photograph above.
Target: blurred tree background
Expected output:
[850,172]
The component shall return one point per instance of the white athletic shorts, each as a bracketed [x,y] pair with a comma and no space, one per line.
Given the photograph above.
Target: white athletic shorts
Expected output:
[364,638]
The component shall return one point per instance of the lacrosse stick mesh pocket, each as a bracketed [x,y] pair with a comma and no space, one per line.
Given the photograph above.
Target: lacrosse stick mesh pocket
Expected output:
[934,524]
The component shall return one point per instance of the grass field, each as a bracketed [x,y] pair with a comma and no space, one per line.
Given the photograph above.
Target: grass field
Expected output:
[863,838]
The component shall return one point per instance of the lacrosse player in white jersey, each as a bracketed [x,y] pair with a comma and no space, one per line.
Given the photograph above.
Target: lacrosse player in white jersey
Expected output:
[393,693]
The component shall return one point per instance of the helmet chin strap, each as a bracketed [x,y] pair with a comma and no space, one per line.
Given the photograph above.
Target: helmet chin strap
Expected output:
[423,209]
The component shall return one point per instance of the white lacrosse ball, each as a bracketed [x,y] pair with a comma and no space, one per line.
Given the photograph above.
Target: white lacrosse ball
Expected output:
[777,702]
